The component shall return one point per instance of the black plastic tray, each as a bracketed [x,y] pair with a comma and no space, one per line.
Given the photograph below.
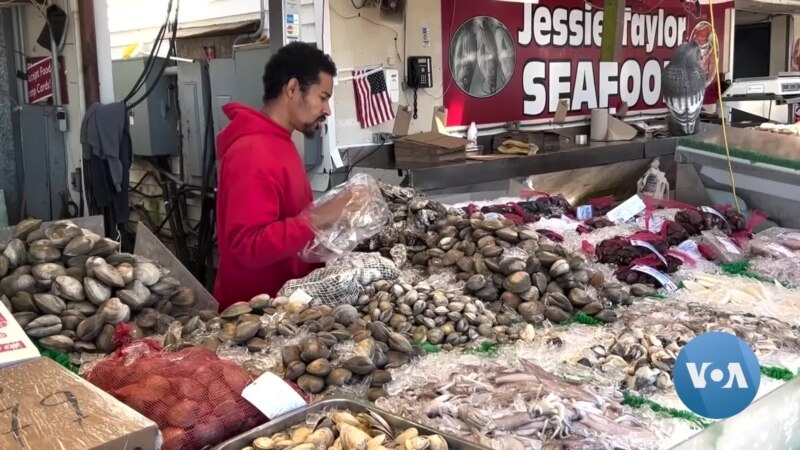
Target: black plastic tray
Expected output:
[293,418]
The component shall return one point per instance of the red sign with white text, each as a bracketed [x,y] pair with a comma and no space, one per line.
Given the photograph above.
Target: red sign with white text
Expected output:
[508,61]
[40,80]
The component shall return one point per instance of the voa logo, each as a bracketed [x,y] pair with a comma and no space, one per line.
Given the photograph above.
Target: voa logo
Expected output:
[734,371]
[717,375]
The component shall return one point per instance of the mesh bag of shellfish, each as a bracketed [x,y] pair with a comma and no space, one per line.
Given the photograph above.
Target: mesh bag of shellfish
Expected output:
[344,279]
[193,396]
[365,214]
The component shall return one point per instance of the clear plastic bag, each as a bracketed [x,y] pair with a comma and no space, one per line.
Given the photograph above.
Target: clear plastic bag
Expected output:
[723,248]
[364,215]
[785,236]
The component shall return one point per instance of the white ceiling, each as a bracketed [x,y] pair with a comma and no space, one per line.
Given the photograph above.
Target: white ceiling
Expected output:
[769,7]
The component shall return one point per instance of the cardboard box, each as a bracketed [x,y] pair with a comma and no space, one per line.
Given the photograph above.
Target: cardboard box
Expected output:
[430,147]
[15,346]
[43,406]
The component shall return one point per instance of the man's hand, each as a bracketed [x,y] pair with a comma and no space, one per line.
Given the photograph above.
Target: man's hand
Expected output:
[326,214]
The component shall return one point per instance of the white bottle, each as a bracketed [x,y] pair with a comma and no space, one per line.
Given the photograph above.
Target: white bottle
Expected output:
[472,137]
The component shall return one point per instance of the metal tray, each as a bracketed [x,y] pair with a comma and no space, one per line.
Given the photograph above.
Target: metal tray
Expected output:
[293,418]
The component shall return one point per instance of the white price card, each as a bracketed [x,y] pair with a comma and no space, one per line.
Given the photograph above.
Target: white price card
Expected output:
[272,396]
[729,245]
[627,210]
[300,296]
[663,279]
[648,246]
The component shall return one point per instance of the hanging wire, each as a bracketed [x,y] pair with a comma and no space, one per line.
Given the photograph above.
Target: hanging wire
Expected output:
[721,105]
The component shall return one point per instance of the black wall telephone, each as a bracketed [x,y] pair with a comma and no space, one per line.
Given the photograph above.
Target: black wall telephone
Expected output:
[419,75]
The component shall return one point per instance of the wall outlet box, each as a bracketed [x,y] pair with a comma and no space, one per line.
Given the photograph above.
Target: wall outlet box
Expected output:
[393,84]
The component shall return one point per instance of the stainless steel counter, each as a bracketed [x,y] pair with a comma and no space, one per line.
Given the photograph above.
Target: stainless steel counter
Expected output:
[426,177]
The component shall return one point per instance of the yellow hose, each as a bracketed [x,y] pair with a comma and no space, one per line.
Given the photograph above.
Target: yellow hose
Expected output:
[721,105]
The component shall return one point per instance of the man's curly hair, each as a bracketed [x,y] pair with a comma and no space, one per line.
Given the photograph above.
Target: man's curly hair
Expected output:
[296,60]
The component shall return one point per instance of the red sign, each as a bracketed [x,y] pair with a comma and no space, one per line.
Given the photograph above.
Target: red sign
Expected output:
[508,61]
[40,80]
[12,346]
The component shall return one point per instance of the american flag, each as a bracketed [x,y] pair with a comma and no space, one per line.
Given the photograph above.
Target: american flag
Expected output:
[373,105]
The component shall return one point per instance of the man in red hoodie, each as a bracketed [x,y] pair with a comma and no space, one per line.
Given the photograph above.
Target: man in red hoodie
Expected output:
[264,214]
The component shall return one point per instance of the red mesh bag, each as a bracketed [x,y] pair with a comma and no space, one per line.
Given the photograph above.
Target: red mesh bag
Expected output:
[193,396]
[601,206]
[621,252]
[691,221]
[626,274]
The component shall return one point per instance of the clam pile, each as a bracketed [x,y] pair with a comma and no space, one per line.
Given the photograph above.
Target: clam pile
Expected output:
[412,215]
[528,273]
[645,360]
[70,288]
[440,317]
[345,431]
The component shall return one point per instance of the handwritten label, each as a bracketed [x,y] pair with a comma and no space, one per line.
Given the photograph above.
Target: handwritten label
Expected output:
[659,276]
[648,246]
[12,415]
[730,247]
[710,210]
[627,210]
[272,396]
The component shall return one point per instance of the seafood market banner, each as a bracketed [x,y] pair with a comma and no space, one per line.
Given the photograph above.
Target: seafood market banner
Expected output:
[508,61]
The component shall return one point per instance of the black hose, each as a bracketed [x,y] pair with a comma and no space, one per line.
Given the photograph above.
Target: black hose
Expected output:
[166,61]
[151,57]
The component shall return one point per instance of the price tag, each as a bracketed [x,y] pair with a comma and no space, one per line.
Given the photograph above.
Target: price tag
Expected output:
[710,210]
[627,210]
[663,279]
[729,245]
[272,396]
[648,246]
[584,212]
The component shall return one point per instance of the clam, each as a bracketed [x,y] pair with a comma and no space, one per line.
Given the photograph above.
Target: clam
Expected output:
[49,304]
[89,328]
[15,253]
[236,310]
[105,272]
[606,315]
[57,342]
[246,330]
[559,267]
[359,365]
[25,227]
[579,297]
[42,252]
[556,315]
[338,377]
[113,311]
[69,288]
[22,302]
[105,340]
[96,292]
[105,247]
[43,326]
[642,290]
[295,369]
[4,265]
[186,297]
[511,265]
[592,308]
[319,367]
[311,383]
[125,270]
[80,245]
[147,273]
[166,286]
[313,349]
[517,282]
[45,273]
[61,234]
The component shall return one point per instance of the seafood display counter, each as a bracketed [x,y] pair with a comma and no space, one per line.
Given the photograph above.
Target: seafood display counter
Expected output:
[432,176]
[510,324]
[766,168]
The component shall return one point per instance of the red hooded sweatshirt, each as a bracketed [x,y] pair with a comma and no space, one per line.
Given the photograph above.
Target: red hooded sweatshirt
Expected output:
[263,188]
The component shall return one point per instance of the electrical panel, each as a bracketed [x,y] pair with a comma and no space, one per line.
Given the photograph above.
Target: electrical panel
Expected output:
[154,121]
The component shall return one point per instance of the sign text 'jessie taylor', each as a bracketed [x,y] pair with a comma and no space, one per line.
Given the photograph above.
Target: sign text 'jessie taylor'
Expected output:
[510,61]
[582,27]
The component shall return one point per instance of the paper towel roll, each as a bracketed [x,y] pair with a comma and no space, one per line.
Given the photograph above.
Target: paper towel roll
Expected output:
[599,125]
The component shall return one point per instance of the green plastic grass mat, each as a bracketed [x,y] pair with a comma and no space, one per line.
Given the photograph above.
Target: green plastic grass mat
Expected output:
[484,349]
[584,319]
[742,268]
[777,373]
[56,356]
[638,402]
[750,155]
